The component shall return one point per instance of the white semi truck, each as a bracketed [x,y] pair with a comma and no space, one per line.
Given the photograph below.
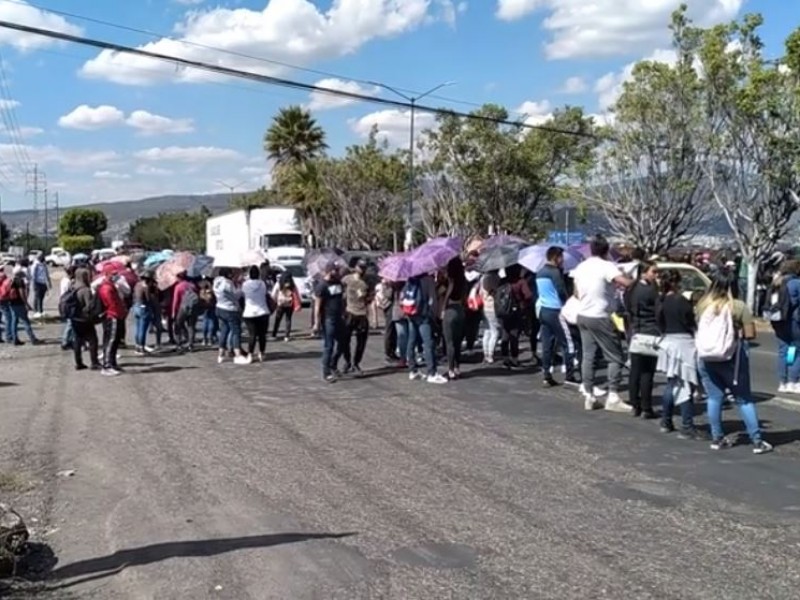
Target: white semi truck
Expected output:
[233,236]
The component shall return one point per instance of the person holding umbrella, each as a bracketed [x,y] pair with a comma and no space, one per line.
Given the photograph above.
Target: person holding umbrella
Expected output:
[329,309]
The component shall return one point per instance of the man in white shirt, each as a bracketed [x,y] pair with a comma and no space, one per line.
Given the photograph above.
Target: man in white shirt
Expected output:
[595,283]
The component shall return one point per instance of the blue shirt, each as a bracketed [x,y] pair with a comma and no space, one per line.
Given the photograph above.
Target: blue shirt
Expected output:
[551,288]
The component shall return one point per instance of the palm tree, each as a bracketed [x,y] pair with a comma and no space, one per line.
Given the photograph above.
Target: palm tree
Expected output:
[294,138]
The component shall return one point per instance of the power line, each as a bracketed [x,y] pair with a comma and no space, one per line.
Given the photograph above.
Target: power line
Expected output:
[157,35]
[279,81]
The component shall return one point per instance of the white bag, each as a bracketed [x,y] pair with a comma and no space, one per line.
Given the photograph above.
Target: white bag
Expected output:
[646,345]
[716,335]
[570,310]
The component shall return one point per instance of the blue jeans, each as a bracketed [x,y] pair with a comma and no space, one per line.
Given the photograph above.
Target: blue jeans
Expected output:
[143,316]
[19,314]
[335,343]
[788,334]
[39,292]
[210,325]
[553,334]
[67,336]
[401,328]
[5,311]
[422,328]
[719,376]
[668,409]
[230,329]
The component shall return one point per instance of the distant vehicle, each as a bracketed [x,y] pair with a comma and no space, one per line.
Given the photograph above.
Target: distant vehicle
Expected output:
[102,254]
[34,255]
[6,258]
[274,231]
[693,280]
[58,257]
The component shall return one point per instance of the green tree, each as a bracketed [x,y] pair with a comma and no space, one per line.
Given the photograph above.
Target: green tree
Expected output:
[261,198]
[83,221]
[29,241]
[752,125]
[75,244]
[179,231]
[649,179]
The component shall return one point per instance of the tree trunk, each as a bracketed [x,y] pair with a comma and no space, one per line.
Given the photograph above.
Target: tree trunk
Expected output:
[752,275]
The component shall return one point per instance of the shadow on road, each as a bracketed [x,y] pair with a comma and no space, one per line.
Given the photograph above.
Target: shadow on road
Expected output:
[164,369]
[105,566]
[7,384]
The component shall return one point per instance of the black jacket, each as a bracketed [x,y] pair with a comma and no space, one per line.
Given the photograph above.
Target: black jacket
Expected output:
[642,304]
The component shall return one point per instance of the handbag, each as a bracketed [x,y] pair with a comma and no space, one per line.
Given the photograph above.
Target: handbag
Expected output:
[570,310]
[646,345]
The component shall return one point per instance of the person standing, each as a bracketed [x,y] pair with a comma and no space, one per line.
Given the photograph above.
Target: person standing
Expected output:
[489,282]
[185,311]
[595,282]
[783,313]
[512,300]
[640,305]
[552,294]
[67,282]
[41,285]
[114,312]
[19,307]
[229,314]
[83,323]
[419,302]
[256,313]
[329,309]
[454,317]
[384,300]
[144,311]
[287,301]
[357,302]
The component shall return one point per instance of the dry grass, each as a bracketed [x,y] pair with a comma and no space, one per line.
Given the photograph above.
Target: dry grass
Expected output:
[14,483]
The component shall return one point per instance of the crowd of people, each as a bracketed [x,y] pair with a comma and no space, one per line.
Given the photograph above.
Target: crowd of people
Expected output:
[701,347]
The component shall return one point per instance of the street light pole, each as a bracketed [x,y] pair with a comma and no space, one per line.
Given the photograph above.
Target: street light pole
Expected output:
[230,187]
[409,239]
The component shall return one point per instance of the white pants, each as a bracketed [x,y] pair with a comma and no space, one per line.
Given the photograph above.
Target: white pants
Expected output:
[491,333]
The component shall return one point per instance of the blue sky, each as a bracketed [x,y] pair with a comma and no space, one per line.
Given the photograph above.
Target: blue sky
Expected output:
[107,127]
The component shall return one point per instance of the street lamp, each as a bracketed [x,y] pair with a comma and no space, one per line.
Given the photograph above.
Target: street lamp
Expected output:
[230,187]
[413,101]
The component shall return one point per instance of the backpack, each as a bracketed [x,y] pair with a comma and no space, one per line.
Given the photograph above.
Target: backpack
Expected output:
[716,338]
[68,306]
[5,288]
[411,302]
[96,309]
[190,303]
[505,302]
[779,309]
[206,296]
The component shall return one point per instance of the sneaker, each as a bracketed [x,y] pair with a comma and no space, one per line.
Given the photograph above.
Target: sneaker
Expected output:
[148,349]
[357,371]
[667,428]
[721,444]
[415,376]
[109,373]
[762,447]
[550,382]
[220,359]
[572,380]
[596,391]
[615,404]
[330,378]
[437,379]
[81,367]
[783,388]
[693,435]
[287,339]
[243,360]
[793,388]
[139,351]
[589,403]
[260,357]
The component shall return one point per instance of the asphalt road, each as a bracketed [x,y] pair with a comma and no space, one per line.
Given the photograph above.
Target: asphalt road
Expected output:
[194,480]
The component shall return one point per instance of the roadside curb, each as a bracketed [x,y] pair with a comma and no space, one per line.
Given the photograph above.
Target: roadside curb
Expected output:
[793,403]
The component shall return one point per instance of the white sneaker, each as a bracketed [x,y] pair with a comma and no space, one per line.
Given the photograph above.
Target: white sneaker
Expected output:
[589,403]
[615,404]
[415,376]
[243,360]
[149,349]
[793,388]
[437,379]
[596,391]
[220,359]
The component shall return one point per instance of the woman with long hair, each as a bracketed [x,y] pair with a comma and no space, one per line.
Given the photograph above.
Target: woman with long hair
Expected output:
[453,317]
[256,313]
[721,302]
[640,304]
[229,313]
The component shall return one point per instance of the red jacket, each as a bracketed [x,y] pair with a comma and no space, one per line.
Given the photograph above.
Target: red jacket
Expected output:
[112,302]
[177,296]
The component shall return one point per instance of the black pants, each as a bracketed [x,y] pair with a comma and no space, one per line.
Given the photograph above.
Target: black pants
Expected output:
[111,340]
[257,332]
[509,347]
[534,327]
[280,313]
[358,326]
[453,330]
[640,384]
[84,333]
[472,324]
[389,335]
[185,328]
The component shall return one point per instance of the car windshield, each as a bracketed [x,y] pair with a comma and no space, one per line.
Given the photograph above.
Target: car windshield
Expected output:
[295,270]
[278,240]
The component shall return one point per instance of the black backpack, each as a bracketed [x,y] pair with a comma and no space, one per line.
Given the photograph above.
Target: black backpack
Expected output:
[505,302]
[69,307]
[96,309]
[190,303]
[779,308]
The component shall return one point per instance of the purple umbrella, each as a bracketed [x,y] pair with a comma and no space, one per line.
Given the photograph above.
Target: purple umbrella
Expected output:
[533,258]
[586,251]
[433,255]
[395,267]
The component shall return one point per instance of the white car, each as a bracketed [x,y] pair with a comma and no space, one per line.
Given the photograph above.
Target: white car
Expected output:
[58,257]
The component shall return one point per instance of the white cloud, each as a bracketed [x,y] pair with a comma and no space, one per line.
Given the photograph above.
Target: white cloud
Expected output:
[574,85]
[44,155]
[189,2]
[91,118]
[534,113]
[254,170]
[323,101]
[9,104]
[22,132]
[290,31]
[609,86]
[151,170]
[149,124]
[393,125]
[24,14]
[187,154]
[110,175]
[449,10]
[591,28]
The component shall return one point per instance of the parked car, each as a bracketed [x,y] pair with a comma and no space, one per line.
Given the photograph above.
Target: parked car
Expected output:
[58,257]
[693,280]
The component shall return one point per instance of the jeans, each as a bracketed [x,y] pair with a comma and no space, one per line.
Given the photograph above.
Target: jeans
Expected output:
[281,313]
[453,329]
[185,328]
[5,310]
[257,328]
[553,334]
[535,325]
[788,334]
[668,408]
[230,329]
[112,336]
[67,335]
[358,326]
[39,292]
[422,328]
[640,382]
[389,335]
[334,344]
[143,316]
[472,324]
[719,376]
[19,314]
[491,333]
[599,333]
[401,337]
[85,334]
[210,325]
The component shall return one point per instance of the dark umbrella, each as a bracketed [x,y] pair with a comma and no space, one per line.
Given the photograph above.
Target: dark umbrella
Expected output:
[498,257]
[318,261]
[201,266]
[502,240]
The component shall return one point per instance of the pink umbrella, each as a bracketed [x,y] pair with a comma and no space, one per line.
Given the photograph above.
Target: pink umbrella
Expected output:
[167,273]
[110,267]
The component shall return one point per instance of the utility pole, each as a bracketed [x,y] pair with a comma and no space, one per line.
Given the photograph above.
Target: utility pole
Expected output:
[58,216]
[35,186]
[46,229]
[231,187]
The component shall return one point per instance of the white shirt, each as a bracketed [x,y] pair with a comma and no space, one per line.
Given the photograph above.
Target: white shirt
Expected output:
[64,287]
[594,279]
[255,299]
